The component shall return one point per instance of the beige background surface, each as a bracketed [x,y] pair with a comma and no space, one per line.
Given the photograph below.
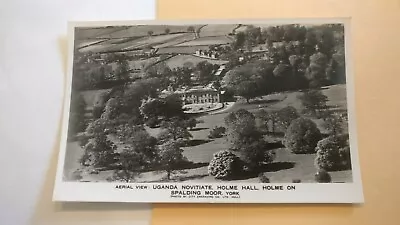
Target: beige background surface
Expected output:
[376,51]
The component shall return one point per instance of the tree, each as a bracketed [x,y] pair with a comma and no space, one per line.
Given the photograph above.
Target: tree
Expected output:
[225,165]
[183,75]
[290,32]
[191,123]
[191,29]
[310,42]
[171,157]
[137,139]
[241,128]
[253,37]
[152,108]
[111,109]
[131,165]
[325,39]
[322,176]
[333,153]
[302,136]
[167,30]
[206,71]
[268,117]
[257,153]
[150,86]
[173,106]
[122,70]
[333,122]
[316,71]
[99,127]
[174,129]
[237,76]
[99,152]
[239,41]
[313,102]
[247,89]
[77,114]
[150,33]
[283,74]
[100,103]
[286,115]
[249,80]
[336,71]
[217,132]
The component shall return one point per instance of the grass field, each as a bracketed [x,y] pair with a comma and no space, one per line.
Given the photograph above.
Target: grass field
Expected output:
[112,45]
[179,60]
[182,49]
[85,33]
[85,43]
[141,30]
[217,29]
[286,167]
[218,40]
[178,40]
[138,64]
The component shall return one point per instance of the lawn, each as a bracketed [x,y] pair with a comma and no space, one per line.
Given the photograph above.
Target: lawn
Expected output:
[219,40]
[179,60]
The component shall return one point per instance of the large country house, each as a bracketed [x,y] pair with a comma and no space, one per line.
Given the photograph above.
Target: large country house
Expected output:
[197,95]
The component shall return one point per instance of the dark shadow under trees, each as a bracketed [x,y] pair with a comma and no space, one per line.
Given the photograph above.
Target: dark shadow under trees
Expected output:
[269,167]
[198,129]
[195,142]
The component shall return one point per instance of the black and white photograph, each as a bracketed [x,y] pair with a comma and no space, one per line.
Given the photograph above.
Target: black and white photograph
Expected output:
[209,111]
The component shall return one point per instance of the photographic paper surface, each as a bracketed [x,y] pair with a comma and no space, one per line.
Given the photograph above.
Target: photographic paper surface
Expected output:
[233,111]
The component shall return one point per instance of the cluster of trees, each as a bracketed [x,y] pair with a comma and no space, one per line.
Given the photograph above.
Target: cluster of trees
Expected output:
[77,120]
[92,72]
[182,76]
[298,58]
[244,137]
[248,151]
[272,119]
[120,119]
[303,135]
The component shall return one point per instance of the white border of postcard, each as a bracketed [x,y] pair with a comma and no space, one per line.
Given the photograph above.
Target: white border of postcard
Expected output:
[290,193]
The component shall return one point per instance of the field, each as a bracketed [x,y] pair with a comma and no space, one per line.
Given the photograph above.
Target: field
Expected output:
[286,167]
[179,60]
[219,40]
[138,64]
[217,29]
[85,43]
[182,50]
[178,40]
[241,28]
[142,30]
[95,33]
[130,44]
